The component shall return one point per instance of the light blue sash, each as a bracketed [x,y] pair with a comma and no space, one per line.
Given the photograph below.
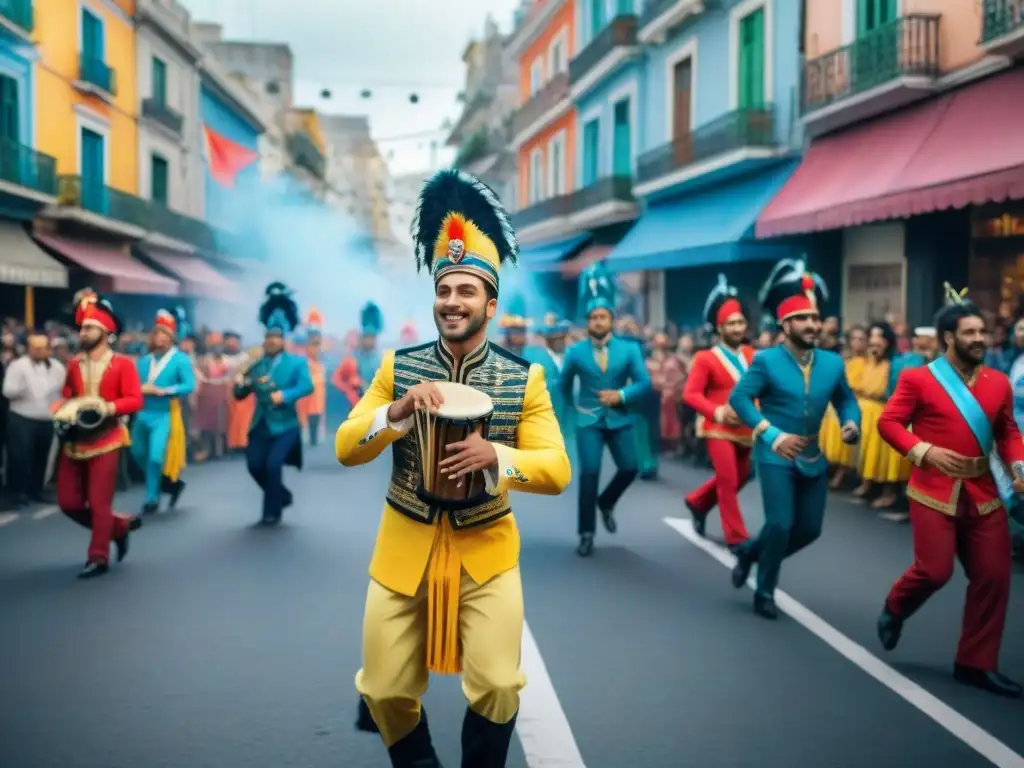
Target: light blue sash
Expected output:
[976,419]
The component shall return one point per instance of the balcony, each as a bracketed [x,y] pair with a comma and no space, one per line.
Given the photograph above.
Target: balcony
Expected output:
[543,108]
[305,153]
[161,114]
[606,201]
[96,205]
[174,226]
[886,69]
[1002,27]
[660,17]
[25,173]
[95,78]
[612,48]
[17,16]
[543,220]
[724,147]
[476,147]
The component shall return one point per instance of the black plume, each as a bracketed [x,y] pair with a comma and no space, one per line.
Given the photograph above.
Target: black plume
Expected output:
[279,298]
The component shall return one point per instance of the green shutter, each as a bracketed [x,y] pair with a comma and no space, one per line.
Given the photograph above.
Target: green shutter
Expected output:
[597,20]
[158,180]
[92,37]
[9,118]
[752,59]
[590,152]
[622,164]
[159,75]
[872,14]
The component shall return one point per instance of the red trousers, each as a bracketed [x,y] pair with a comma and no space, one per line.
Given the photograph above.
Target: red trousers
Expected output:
[731,462]
[982,542]
[85,493]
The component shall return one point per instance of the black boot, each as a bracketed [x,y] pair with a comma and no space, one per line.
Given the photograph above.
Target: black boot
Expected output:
[765,607]
[741,571]
[700,522]
[586,547]
[415,750]
[485,744]
[364,720]
[987,680]
[889,630]
[175,493]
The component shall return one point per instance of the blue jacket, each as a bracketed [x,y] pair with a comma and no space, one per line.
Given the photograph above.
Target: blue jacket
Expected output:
[286,373]
[536,354]
[788,404]
[174,374]
[626,372]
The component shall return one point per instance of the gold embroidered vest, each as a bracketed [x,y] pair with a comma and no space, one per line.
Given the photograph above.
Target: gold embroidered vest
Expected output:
[490,369]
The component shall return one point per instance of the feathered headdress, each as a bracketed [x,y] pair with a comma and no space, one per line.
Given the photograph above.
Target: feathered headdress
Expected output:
[461,225]
[722,303]
[279,313]
[99,312]
[371,319]
[80,302]
[596,289]
[791,290]
[554,326]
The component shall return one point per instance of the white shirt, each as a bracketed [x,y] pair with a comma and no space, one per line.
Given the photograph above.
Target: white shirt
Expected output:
[32,387]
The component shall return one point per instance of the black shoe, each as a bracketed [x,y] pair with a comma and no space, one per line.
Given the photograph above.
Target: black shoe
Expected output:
[150,507]
[608,518]
[765,607]
[987,680]
[415,750]
[741,571]
[121,545]
[700,522]
[92,570]
[134,523]
[586,547]
[175,493]
[889,630]
[364,720]
[485,744]
[288,499]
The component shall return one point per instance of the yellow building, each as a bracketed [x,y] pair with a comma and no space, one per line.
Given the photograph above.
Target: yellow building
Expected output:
[86,92]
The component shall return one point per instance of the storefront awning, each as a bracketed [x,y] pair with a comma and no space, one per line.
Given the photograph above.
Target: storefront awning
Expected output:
[197,277]
[543,254]
[22,262]
[113,264]
[958,150]
[714,226]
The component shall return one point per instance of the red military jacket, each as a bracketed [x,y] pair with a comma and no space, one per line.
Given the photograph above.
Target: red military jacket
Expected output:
[920,403]
[708,385]
[113,378]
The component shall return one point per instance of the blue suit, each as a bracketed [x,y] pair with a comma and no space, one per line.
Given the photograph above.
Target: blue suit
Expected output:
[274,433]
[792,401]
[552,366]
[598,426]
[151,430]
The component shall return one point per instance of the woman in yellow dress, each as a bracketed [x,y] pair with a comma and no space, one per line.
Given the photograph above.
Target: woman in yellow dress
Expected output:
[880,464]
[842,458]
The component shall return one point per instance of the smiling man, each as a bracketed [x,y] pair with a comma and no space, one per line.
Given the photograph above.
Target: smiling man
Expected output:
[445,594]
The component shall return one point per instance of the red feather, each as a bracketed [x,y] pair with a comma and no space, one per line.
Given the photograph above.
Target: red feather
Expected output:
[455,229]
[807,283]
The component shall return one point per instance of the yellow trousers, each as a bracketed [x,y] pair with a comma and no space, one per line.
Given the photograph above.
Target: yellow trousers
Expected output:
[394,674]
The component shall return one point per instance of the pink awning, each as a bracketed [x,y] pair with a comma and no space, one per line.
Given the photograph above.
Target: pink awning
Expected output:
[958,150]
[197,277]
[119,272]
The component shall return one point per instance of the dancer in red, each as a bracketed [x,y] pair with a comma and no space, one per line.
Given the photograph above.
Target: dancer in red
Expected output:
[713,374]
[106,385]
[953,419]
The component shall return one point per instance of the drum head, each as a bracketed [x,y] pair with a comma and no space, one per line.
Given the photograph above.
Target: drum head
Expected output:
[463,402]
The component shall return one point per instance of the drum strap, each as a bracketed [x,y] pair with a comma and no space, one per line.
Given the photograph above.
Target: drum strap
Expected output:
[444,581]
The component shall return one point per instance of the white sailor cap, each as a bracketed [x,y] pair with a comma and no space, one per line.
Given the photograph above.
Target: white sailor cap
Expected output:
[925,330]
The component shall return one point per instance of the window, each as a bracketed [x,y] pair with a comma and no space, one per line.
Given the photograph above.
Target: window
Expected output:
[622,140]
[556,165]
[93,171]
[591,136]
[536,176]
[751,64]
[10,125]
[159,82]
[558,63]
[872,14]
[597,17]
[93,47]
[159,180]
[536,76]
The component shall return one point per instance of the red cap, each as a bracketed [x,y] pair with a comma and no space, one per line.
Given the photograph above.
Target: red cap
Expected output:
[801,304]
[98,316]
[83,299]
[166,321]
[729,308]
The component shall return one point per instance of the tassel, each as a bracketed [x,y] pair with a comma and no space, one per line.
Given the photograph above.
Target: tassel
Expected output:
[444,577]
[174,462]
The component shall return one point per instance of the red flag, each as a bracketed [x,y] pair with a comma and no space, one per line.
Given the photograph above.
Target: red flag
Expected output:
[226,158]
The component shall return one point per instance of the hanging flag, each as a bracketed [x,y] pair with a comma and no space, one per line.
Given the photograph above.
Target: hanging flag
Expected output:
[226,158]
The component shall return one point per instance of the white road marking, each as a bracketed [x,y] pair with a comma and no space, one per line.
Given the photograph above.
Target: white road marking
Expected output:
[981,741]
[7,517]
[45,512]
[542,726]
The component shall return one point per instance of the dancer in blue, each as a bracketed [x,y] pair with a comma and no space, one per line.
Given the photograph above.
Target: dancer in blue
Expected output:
[612,376]
[159,440]
[551,357]
[279,380]
[793,383]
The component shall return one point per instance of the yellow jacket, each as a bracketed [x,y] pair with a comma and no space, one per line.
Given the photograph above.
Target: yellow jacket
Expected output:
[538,464]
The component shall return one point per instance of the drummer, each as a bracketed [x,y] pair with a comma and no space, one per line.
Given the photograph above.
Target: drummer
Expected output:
[463,236]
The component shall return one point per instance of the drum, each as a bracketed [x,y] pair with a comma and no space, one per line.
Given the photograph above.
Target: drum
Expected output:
[465,410]
[81,419]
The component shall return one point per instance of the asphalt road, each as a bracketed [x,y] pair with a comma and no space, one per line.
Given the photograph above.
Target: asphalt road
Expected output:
[219,645]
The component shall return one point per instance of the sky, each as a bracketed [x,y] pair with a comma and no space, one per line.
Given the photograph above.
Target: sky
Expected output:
[392,47]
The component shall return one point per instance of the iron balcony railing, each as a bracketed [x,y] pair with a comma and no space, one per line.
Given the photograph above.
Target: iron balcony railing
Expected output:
[735,130]
[551,208]
[606,190]
[305,153]
[542,102]
[97,73]
[27,168]
[159,112]
[1000,17]
[95,197]
[621,32]
[906,47]
[19,13]
[177,226]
